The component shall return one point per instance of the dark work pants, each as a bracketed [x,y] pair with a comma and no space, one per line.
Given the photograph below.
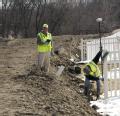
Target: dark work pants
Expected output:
[87,85]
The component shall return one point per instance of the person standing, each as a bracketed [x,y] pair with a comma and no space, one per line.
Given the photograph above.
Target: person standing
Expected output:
[44,47]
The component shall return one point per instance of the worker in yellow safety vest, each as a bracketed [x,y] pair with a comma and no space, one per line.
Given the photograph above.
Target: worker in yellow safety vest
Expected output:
[44,46]
[92,72]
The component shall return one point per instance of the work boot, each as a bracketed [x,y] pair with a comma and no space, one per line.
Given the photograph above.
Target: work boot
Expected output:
[98,97]
[86,91]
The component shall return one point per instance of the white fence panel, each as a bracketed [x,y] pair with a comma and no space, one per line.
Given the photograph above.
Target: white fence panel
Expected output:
[111,66]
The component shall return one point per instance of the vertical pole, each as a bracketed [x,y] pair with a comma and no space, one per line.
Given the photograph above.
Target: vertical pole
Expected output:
[2,20]
[101,47]
[100,36]
[82,47]
[70,47]
[105,81]
[119,67]
[115,66]
[119,64]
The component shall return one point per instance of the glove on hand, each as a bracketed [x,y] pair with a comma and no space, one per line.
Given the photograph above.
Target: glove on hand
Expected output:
[48,40]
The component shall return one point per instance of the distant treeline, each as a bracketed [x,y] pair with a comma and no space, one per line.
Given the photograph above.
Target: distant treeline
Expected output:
[25,17]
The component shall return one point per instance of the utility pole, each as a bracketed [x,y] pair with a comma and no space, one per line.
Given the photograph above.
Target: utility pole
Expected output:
[99,20]
[2,14]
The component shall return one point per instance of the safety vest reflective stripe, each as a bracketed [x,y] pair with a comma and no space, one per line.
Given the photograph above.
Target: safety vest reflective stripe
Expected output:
[44,47]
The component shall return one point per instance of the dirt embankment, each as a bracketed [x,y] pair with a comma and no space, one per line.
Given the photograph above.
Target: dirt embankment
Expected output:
[24,91]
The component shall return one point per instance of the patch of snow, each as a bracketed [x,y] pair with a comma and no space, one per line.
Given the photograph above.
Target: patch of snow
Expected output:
[83,62]
[72,59]
[109,107]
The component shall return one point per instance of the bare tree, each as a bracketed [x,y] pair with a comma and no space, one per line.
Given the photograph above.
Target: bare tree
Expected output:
[63,16]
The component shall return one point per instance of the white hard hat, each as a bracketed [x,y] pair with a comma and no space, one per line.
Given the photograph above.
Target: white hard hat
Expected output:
[45,25]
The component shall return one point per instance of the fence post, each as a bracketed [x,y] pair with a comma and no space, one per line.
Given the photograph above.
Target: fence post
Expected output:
[105,79]
[118,65]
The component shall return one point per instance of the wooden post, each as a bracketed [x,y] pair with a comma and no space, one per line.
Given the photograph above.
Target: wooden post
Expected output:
[82,47]
[119,65]
[105,80]
[60,70]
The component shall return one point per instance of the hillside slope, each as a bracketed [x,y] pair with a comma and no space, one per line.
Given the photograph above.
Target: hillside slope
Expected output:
[24,91]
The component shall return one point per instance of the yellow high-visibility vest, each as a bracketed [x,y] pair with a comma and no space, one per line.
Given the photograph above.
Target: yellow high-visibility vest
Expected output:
[94,69]
[44,47]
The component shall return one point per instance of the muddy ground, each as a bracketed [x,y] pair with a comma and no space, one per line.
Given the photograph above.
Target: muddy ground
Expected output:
[25,91]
